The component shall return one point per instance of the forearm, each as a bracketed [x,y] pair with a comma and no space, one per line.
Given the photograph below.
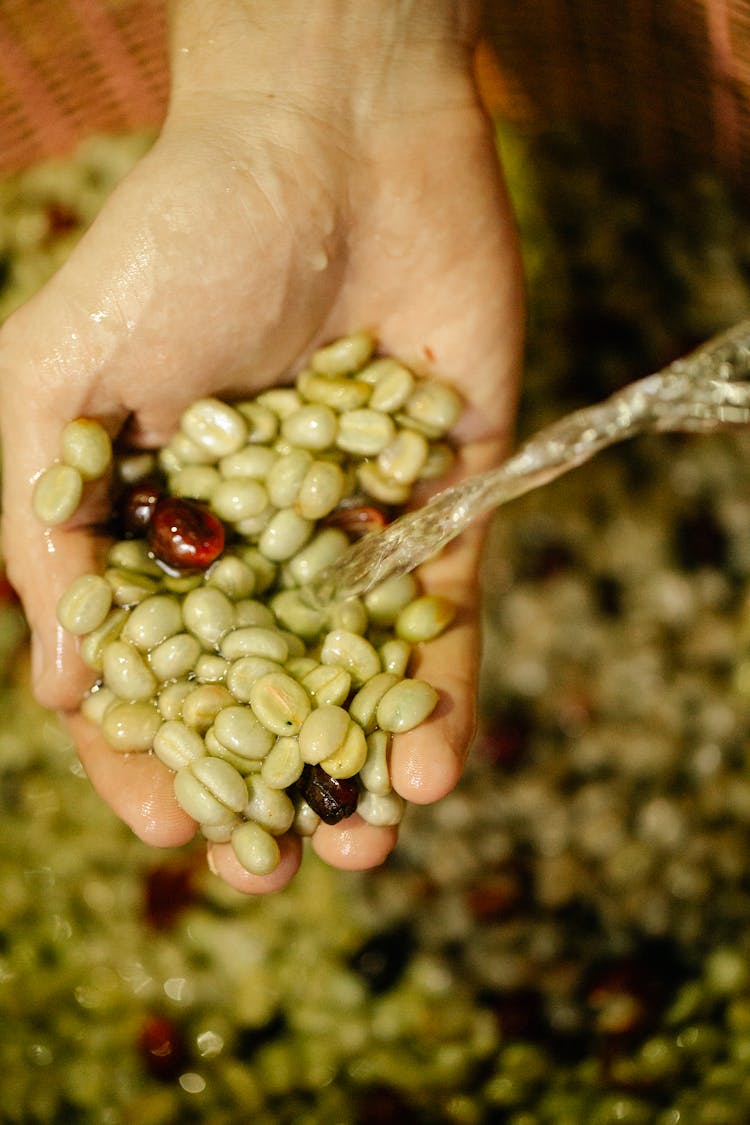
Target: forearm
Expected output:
[346,54]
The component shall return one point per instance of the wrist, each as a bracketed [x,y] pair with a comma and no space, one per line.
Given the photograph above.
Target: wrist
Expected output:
[345,58]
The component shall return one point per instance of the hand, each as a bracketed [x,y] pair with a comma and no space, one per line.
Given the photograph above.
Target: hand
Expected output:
[302,187]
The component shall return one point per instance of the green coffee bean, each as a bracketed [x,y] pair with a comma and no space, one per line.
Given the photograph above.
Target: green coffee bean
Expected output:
[321,490]
[86,446]
[365,703]
[404,457]
[285,478]
[264,570]
[232,576]
[177,745]
[323,733]
[57,494]
[253,526]
[126,673]
[382,810]
[313,426]
[321,551]
[344,355]
[211,669]
[96,703]
[280,703]
[253,640]
[254,462]
[282,401]
[249,611]
[385,601]
[338,394]
[216,749]
[392,383]
[283,764]
[299,666]
[134,467]
[133,554]
[349,614]
[237,728]
[171,698]
[284,535]
[394,656]
[294,614]
[350,651]
[269,807]
[295,645]
[262,423]
[425,618]
[406,705]
[175,657]
[208,614]
[201,705]
[210,790]
[197,482]
[364,432]
[152,621]
[306,820]
[182,451]
[221,833]
[214,426]
[349,758]
[374,773]
[434,406]
[439,460]
[382,488]
[327,684]
[128,587]
[243,673]
[130,727]
[85,604]
[255,848]
[239,499]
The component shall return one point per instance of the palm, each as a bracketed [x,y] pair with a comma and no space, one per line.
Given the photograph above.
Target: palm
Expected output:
[221,283]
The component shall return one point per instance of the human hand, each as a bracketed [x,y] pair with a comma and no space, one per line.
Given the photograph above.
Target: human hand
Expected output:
[304,185]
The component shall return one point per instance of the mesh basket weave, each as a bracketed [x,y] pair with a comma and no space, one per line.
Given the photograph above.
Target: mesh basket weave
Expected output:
[669,77]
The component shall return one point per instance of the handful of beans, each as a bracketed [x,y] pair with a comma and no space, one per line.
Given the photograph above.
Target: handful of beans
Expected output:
[274,714]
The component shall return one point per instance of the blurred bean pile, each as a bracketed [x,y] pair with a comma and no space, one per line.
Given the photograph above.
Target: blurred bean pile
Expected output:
[562,941]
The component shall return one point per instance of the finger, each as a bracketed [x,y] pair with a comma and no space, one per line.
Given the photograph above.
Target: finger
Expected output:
[354,845]
[224,863]
[137,787]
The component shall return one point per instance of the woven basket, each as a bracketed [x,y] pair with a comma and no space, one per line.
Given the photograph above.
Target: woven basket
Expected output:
[669,78]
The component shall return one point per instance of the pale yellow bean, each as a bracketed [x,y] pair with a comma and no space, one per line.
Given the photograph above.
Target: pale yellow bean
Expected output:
[295,645]
[283,764]
[394,656]
[86,446]
[94,644]
[313,427]
[282,401]
[293,613]
[181,451]
[267,806]
[385,601]
[406,705]
[404,458]
[181,583]
[364,432]
[253,526]
[130,727]
[322,550]
[425,618]
[435,406]
[214,426]
[383,810]
[254,640]
[177,745]
[133,554]
[210,790]
[208,614]
[280,703]
[323,733]
[285,478]
[249,611]
[152,622]
[126,673]
[392,383]
[339,394]
[320,491]
[350,651]
[254,461]
[262,423]
[201,705]
[57,494]
[197,482]
[171,698]
[306,820]
[211,669]
[299,666]
[134,467]
[175,657]
[385,489]
[221,833]
[255,848]
[239,498]
[349,614]
[244,672]
[349,758]
[374,773]
[239,730]
[216,749]
[439,460]
[343,356]
[285,534]
[85,604]
[265,571]
[95,705]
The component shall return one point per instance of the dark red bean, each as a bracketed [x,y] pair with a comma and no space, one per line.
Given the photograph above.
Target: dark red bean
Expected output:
[162,1048]
[333,799]
[136,507]
[185,535]
[357,521]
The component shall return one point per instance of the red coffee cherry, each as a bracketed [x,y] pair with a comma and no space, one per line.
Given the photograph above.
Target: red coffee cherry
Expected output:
[185,535]
[136,507]
[333,799]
